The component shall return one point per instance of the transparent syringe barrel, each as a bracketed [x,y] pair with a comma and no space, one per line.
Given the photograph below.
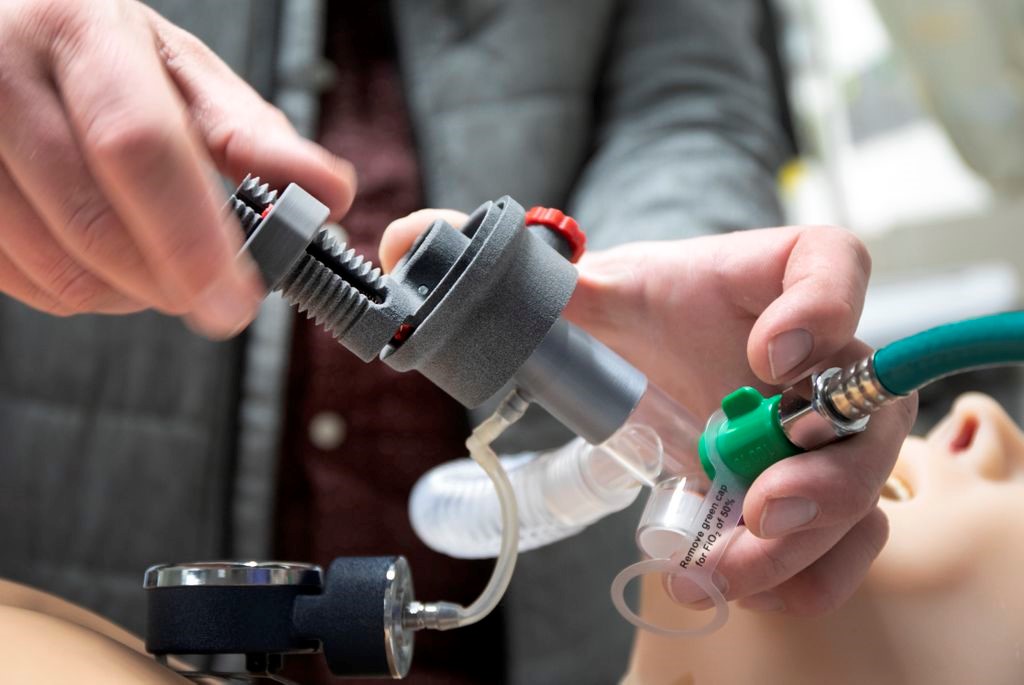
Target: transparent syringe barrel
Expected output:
[454,510]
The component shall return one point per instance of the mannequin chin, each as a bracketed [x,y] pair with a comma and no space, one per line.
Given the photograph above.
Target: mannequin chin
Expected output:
[943,603]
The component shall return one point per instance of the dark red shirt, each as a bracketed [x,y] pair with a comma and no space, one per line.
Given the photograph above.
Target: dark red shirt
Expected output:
[357,436]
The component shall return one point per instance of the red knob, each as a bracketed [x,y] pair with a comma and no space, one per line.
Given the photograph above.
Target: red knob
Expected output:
[561,224]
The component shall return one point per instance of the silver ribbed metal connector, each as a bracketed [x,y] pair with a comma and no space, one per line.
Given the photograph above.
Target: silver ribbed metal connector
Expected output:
[833,404]
[856,392]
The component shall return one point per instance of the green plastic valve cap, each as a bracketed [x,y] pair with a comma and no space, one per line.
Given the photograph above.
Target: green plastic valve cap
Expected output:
[751,438]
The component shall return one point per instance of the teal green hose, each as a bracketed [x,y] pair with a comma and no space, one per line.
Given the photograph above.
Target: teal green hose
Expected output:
[909,364]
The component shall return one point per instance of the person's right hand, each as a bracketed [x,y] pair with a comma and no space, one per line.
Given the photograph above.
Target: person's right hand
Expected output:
[110,117]
[704,316]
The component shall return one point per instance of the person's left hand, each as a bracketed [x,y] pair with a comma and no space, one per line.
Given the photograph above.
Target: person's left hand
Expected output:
[702,317]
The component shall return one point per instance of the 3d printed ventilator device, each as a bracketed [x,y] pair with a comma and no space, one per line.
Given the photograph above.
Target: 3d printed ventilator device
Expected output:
[478,310]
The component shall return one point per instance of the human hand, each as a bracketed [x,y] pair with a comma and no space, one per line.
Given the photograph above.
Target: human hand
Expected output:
[111,118]
[705,316]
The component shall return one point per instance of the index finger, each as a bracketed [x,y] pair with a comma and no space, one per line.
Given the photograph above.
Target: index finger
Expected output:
[133,131]
[815,315]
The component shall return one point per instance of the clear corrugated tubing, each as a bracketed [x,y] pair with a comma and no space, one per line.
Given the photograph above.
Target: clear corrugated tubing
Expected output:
[454,510]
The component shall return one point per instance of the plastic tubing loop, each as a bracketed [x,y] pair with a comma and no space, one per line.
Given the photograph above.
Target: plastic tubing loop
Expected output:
[912,363]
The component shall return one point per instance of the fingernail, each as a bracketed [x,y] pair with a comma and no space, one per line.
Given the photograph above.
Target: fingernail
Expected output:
[763,601]
[787,350]
[683,591]
[785,514]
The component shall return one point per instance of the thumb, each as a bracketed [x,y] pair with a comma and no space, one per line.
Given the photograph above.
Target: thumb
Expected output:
[400,234]
[242,132]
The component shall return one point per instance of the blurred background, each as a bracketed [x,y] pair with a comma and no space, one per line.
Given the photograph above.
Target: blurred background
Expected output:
[908,123]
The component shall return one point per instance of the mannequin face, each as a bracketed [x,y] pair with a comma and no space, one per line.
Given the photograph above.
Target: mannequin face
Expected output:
[942,603]
[955,502]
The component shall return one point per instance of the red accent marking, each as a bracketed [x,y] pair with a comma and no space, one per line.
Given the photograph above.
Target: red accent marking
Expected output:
[563,225]
[403,332]
[266,211]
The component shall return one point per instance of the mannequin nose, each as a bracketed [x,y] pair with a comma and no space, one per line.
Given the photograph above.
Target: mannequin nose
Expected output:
[963,436]
[984,437]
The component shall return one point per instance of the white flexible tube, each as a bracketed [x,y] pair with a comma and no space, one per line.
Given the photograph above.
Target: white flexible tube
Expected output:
[479,444]
[447,615]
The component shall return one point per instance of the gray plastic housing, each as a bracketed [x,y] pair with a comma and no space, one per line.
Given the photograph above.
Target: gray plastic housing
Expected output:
[280,238]
[581,382]
[492,296]
[490,293]
[473,310]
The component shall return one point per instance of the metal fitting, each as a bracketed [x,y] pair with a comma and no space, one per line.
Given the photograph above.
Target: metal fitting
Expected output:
[833,404]
[808,417]
[431,616]
[233,574]
[856,392]
[398,638]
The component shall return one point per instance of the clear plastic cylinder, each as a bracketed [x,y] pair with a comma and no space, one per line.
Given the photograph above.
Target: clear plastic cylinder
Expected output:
[677,480]
[659,440]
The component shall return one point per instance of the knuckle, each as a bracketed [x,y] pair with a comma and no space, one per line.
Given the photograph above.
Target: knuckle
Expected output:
[860,253]
[52,22]
[129,141]
[277,118]
[818,597]
[179,48]
[74,287]
[851,243]
[875,533]
[227,140]
[192,265]
[29,33]
[820,593]
[773,566]
[848,240]
[89,224]
[48,15]
[15,286]
[184,55]
[840,307]
[862,492]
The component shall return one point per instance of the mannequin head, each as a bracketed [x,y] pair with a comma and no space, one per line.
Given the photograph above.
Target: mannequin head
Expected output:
[942,603]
